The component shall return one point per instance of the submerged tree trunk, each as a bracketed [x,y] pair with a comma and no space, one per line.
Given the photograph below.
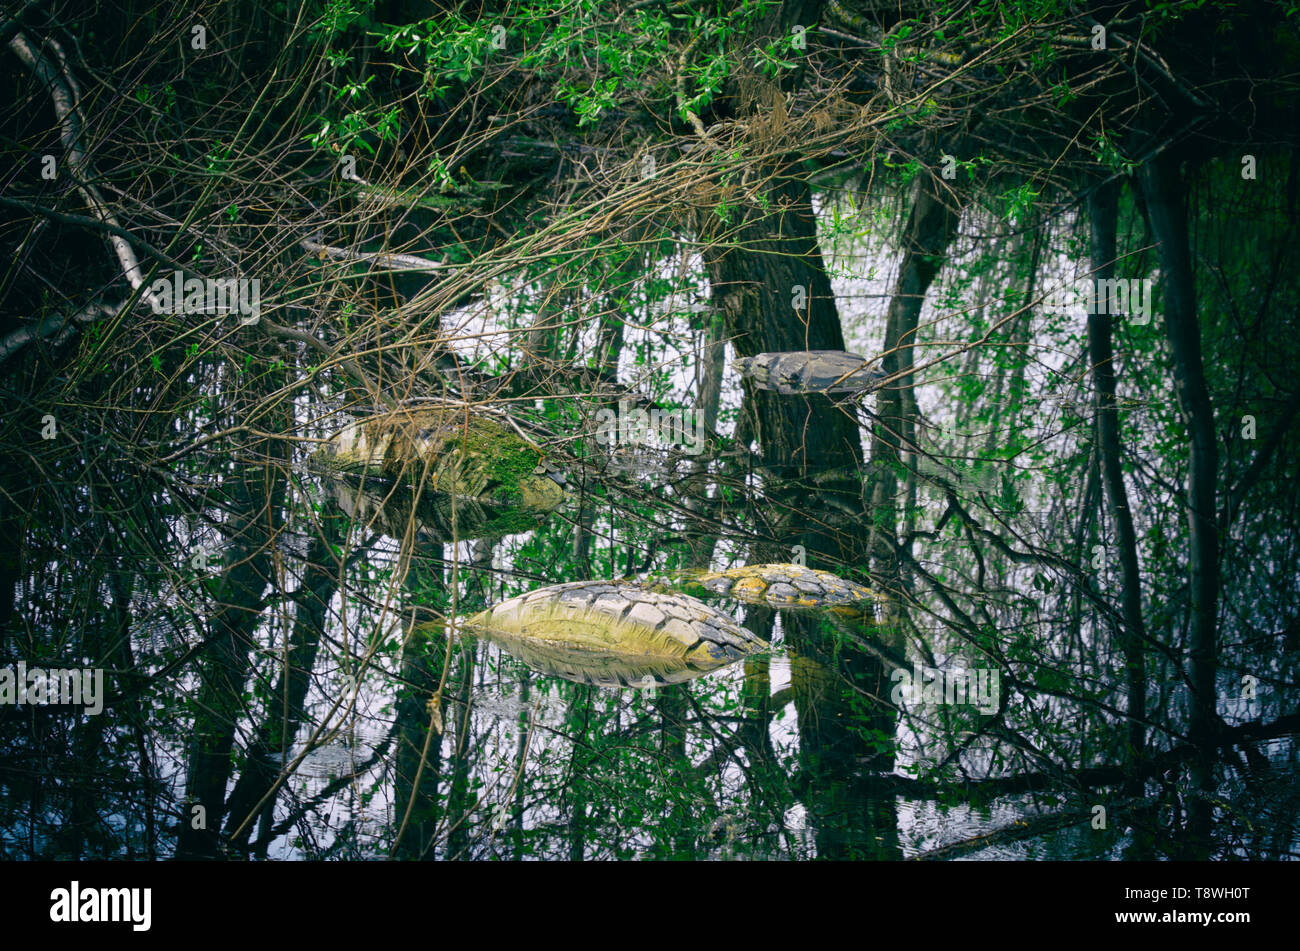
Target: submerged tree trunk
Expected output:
[226,666]
[774,263]
[1102,215]
[1164,194]
[417,761]
[830,685]
[770,286]
[931,226]
[269,752]
[712,363]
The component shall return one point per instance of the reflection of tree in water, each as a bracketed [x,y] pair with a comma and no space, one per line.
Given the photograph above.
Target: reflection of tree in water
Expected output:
[839,693]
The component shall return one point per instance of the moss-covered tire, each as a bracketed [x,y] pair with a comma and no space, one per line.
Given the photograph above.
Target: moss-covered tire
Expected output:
[448,452]
[609,617]
[781,585]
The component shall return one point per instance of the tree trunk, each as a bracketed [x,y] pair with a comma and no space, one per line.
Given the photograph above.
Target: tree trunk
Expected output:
[269,752]
[756,280]
[709,373]
[1102,214]
[418,805]
[770,286]
[226,662]
[1165,203]
[931,226]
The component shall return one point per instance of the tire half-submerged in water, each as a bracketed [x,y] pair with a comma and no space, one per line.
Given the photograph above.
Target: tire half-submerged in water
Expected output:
[611,633]
[780,585]
[439,464]
[810,371]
